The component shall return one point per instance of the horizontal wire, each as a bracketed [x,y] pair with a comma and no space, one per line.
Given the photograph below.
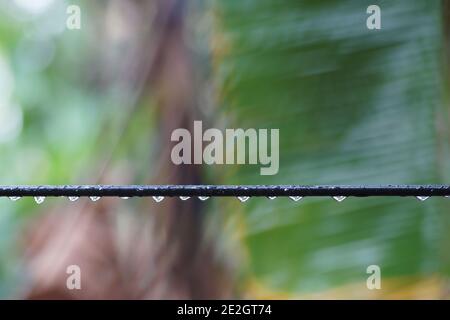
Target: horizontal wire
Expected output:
[224,190]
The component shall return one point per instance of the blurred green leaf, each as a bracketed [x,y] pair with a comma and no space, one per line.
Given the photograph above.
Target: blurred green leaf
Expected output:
[354,106]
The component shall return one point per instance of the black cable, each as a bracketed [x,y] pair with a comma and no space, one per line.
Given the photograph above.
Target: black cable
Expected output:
[225,190]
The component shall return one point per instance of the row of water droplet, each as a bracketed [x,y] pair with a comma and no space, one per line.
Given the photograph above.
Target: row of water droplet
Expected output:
[41,199]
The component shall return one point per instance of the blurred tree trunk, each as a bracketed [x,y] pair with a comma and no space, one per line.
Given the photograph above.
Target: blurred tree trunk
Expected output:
[164,253]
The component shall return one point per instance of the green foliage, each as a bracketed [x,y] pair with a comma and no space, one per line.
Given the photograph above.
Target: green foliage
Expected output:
[354,106]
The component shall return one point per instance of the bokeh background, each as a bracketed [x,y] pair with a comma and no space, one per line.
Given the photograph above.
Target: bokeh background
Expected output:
[98,105]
